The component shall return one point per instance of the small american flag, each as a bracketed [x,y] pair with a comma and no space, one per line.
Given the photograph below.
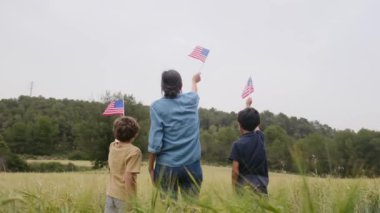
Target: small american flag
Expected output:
[116,107]
[248,88]
[200,53]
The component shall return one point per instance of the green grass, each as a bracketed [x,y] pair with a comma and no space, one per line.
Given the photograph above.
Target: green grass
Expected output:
[85,192]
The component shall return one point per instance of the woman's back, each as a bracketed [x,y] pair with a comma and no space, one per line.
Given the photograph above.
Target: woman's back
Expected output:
[174,133]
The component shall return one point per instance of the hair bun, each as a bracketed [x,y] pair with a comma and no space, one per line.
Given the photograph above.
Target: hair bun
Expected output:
[171,83]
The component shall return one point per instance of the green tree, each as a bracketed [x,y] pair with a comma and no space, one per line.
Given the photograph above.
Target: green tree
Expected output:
[48,126]
[43,136]
[344,156]
[316,153]
[278,145]
[18,137]
[8,160]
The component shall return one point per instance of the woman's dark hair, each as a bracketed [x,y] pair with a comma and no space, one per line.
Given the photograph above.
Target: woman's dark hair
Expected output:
[171,83]
[125,128]
[249,119]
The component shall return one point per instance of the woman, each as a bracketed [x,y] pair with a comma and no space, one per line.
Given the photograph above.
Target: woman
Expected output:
[174,138]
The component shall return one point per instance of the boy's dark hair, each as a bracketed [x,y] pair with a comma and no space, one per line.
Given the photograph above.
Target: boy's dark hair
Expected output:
[171,83]
[249,119]
[125,128]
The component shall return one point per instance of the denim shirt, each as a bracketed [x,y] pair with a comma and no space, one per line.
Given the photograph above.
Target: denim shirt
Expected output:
[174,130]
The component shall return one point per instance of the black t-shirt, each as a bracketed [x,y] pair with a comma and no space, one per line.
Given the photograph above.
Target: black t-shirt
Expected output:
[249,151]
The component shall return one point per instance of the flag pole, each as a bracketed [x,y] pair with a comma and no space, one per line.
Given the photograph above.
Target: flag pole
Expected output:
[201,67]
[123,108]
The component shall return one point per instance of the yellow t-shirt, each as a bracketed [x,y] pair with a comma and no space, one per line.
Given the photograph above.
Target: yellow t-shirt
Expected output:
[122,157]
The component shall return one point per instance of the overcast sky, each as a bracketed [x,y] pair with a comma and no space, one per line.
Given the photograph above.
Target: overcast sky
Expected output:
[314,59]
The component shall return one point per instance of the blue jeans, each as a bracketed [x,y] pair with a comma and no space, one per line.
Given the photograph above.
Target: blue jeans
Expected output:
[187,178]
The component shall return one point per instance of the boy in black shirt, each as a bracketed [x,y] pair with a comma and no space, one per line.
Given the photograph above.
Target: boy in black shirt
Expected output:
[248,156]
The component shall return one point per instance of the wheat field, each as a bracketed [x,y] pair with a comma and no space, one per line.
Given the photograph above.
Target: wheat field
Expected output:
[85,192]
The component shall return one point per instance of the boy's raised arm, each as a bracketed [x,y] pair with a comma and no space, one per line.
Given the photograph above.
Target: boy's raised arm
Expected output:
[248,102]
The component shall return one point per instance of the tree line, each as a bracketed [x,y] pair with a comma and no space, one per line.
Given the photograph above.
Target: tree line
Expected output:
[75,129]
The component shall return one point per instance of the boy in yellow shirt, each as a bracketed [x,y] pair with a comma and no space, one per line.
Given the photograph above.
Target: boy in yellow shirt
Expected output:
[124,162]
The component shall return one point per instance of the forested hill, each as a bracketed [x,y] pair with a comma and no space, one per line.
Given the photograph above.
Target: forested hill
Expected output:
[76,129]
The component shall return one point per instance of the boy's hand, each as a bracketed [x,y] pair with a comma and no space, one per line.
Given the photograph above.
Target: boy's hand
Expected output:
[248,102]
[197,78]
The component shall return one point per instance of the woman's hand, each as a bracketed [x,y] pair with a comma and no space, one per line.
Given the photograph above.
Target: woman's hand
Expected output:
[196,79]
[151,161]
[151,173]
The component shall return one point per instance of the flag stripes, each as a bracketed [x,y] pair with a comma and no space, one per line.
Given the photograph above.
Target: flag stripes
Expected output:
[248,88]
[116,107]
[200,53]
